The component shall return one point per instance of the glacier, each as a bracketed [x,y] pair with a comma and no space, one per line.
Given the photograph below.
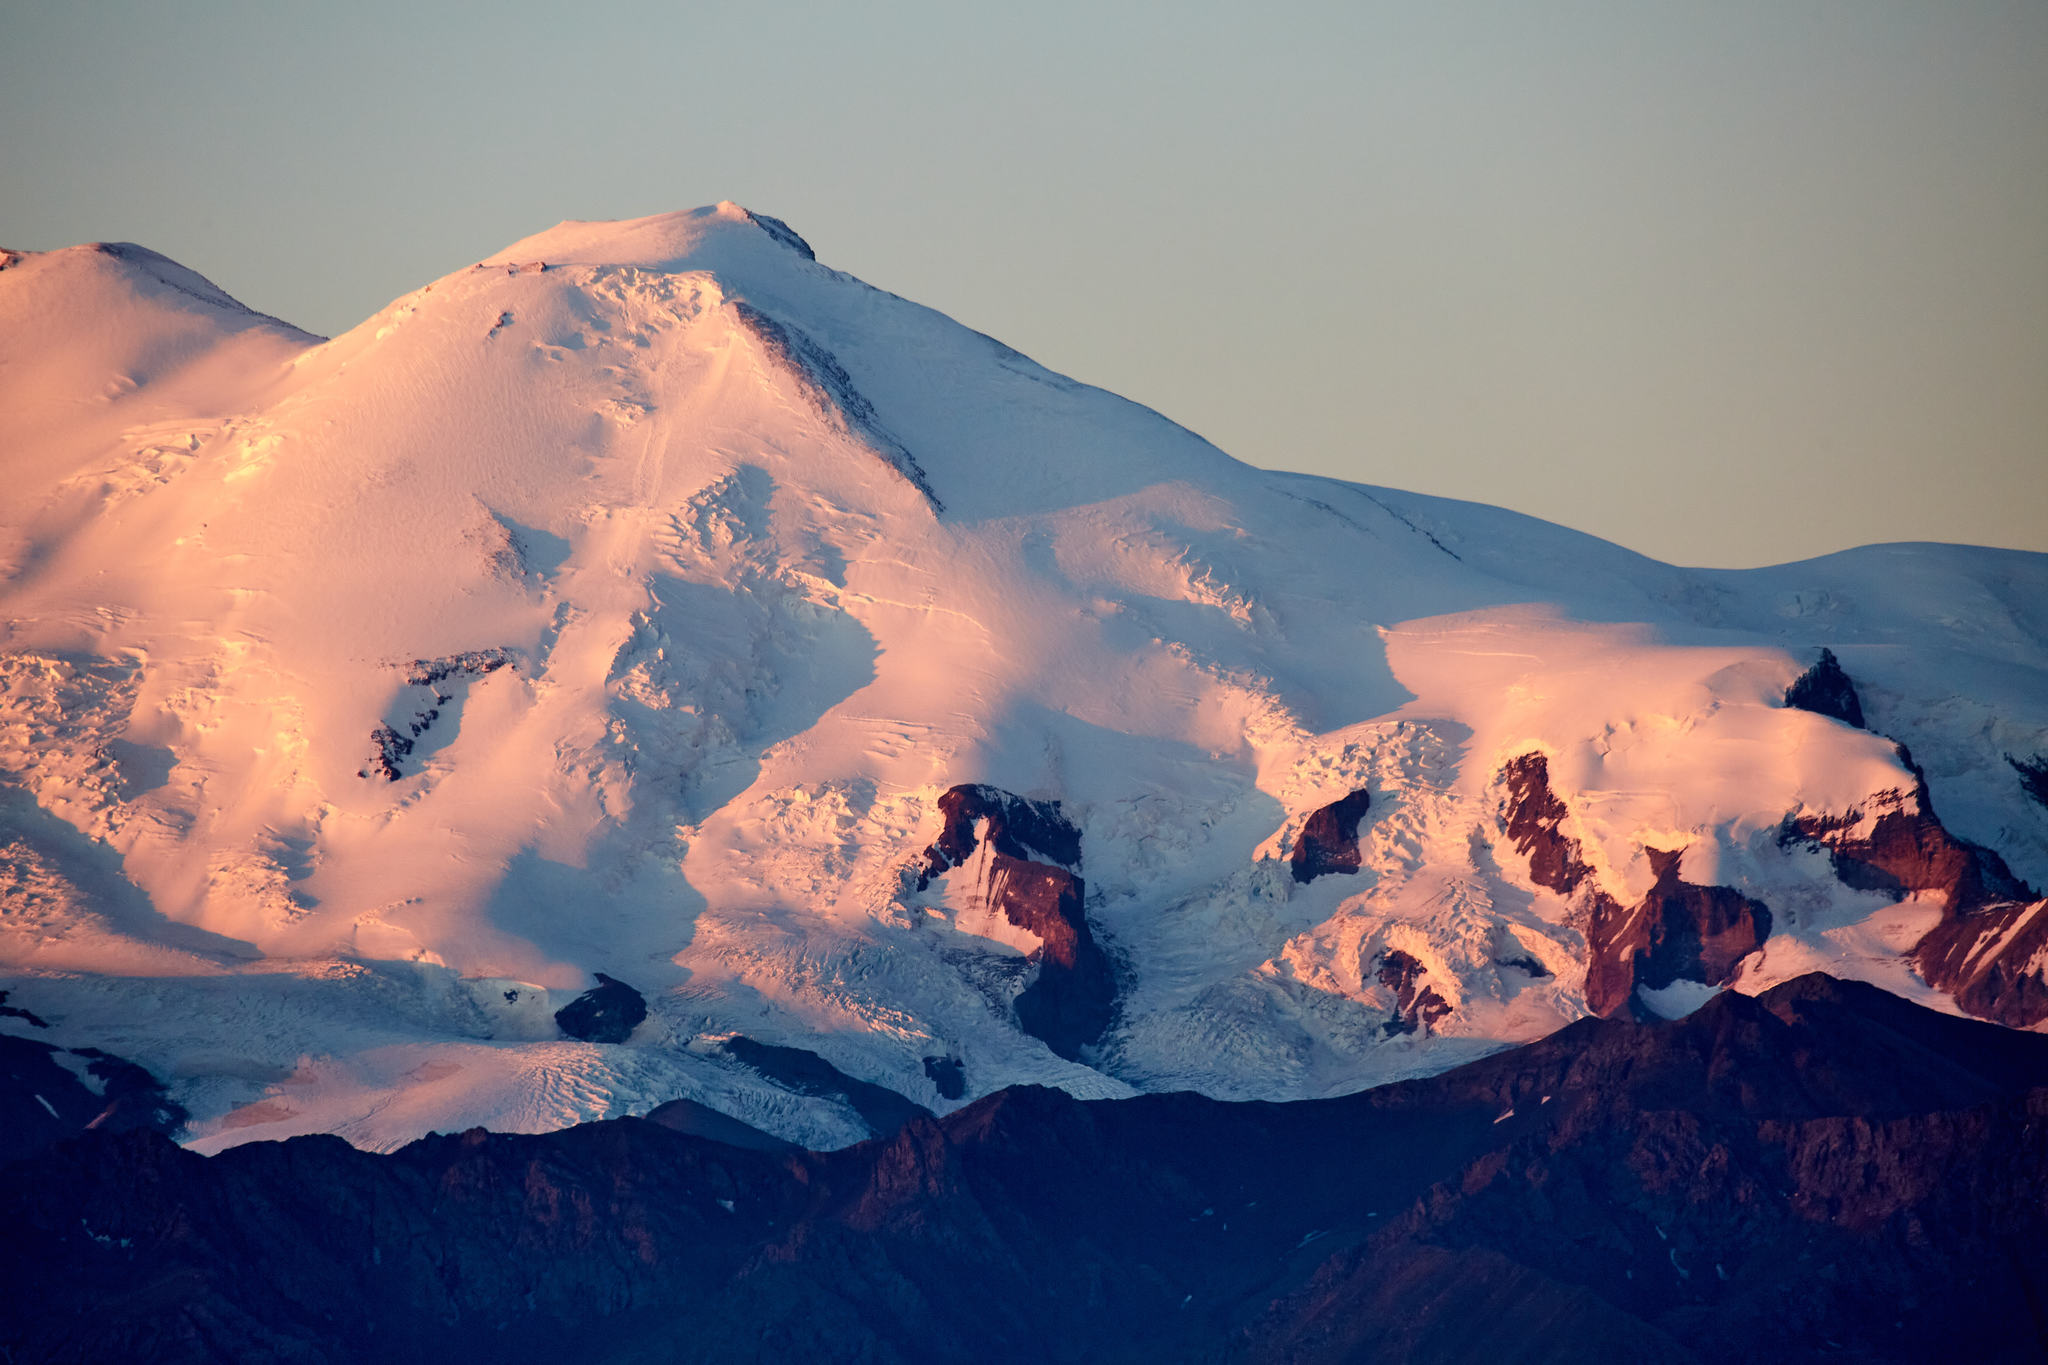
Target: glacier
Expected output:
[630,602]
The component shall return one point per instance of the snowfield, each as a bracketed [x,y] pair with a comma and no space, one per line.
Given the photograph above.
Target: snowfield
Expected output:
[627,602]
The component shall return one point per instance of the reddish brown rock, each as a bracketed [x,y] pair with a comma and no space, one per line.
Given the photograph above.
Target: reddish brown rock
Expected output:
[1034,860]
[1678,932]
[1329,838]
[1984,961]
[1416,1006]
[1535,818]
[1017,826]
[1992,926]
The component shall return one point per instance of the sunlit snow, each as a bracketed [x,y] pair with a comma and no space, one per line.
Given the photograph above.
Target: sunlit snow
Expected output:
[754,605]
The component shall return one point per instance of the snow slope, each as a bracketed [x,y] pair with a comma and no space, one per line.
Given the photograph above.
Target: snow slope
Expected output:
[625,602]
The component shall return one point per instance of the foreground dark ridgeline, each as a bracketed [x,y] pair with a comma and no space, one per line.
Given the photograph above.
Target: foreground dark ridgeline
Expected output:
[1823,1172]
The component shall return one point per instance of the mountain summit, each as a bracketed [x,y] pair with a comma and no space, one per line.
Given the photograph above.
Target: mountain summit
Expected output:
[649,608]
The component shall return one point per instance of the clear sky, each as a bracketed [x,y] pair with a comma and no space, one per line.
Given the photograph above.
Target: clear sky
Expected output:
[1729,282]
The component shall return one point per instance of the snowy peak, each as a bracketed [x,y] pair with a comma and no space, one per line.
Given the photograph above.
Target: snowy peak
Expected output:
[651,600]
[723,236]
[116,365]
[81,274]
[95,323]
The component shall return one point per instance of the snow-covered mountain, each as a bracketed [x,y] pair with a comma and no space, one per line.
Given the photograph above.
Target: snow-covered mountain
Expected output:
[651,600]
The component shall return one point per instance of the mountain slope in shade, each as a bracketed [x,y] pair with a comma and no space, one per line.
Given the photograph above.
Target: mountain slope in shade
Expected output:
[646,599]
[1821,1172]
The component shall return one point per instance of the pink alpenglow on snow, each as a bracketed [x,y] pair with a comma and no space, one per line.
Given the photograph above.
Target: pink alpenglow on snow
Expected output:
[637,604]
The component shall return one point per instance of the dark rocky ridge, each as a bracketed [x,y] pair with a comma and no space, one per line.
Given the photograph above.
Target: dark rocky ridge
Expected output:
[1535,821]
[43,1101]
[474,663]
[1823,1172]
[1825,690]
[1991,927]
[830,389]
[781,232]
[1034,860]
[1679,932]
[1329,838]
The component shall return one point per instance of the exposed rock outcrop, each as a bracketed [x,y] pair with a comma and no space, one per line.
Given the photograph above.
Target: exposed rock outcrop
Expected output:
[1989,961]
[781,232]
[388,747]
[1329,838]
[1678,932]
[947,1075]
[1535,822]
[1017,828]
[388,750]
[474,663]
[1825,690]
[1033,877]
[1907,849]
[49,1093]
[1992,932]
[606,1013]
[2033,776]
[1416,1006]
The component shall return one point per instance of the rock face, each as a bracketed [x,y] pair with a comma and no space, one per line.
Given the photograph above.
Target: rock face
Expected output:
[1329,838]
[1018,828]
[1416,1006]
[1535,820]
[1992,931]
[1988,961]
[1825,690]
[947,1075]
[606,1013]
[1822,1172]
[1033,877]
[1678,932]
[49,1093]
[388,750]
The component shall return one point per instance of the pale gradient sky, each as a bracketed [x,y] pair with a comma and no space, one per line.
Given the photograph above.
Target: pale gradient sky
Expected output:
[1730,283]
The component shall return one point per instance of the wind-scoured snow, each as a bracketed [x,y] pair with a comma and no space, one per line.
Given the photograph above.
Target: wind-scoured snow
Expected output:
[624,603]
